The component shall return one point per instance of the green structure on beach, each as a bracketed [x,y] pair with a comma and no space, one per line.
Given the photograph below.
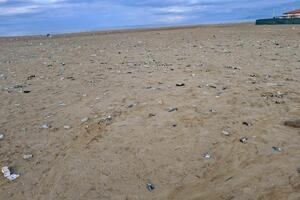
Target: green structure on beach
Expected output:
[292,17]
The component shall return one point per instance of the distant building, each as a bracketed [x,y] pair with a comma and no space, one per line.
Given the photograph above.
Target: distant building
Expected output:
[291,17]
[292,14]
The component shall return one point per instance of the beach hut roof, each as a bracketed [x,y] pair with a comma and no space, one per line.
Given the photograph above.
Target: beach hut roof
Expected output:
[293,12]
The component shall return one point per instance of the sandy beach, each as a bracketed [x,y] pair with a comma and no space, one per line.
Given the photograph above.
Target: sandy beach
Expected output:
[103,114]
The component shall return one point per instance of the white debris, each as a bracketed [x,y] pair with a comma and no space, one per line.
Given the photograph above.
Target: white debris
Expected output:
[279,149]
[45,126]
[2,77]
[85,119]
[61,103]
[243,140]
[225,133]
[212,110]
[67,127]
[1,136]
[206,155]
[27,156]
[7,174]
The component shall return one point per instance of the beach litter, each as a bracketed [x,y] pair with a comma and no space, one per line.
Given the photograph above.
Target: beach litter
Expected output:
[278,94]
[30,77]
[27,156]
[243,140]
[1,136]
[85,119]
[226,133]
[247,123]
[211,86]
[151,115]
[278,149]
[173,109]
[150,187]
[70,78]
[206,155]
[45,126]
[212,110]
[7,174]
[61,103]
[130,106]
[2,77]
[67,127]
[180,84]
[293,123]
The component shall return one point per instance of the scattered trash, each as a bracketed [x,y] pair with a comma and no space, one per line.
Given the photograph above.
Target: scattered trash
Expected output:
[231,67]
[243,140]
[279,94]
[224,87]
[180,84]
[106,120]
[229,178]
[173,109]
[206,155]
[247,123]
[151,115]
[19,88]
[61,103]
[30,77]
[277,149]
[7,174]
[219,94]
[130,105]
[275,42]
[1,136]
[225,133]
[67,127]
[279,102]
[211,86]
[61,69]
[108,117]
[212,110]
[293,123]
[85,119]
[45,126]
[150,186]
[70,78]
[27,156]
[2,77]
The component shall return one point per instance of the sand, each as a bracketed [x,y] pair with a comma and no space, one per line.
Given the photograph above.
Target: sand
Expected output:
[237,81]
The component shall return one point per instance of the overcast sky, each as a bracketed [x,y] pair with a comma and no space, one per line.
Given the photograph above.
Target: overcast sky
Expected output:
[20,17]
